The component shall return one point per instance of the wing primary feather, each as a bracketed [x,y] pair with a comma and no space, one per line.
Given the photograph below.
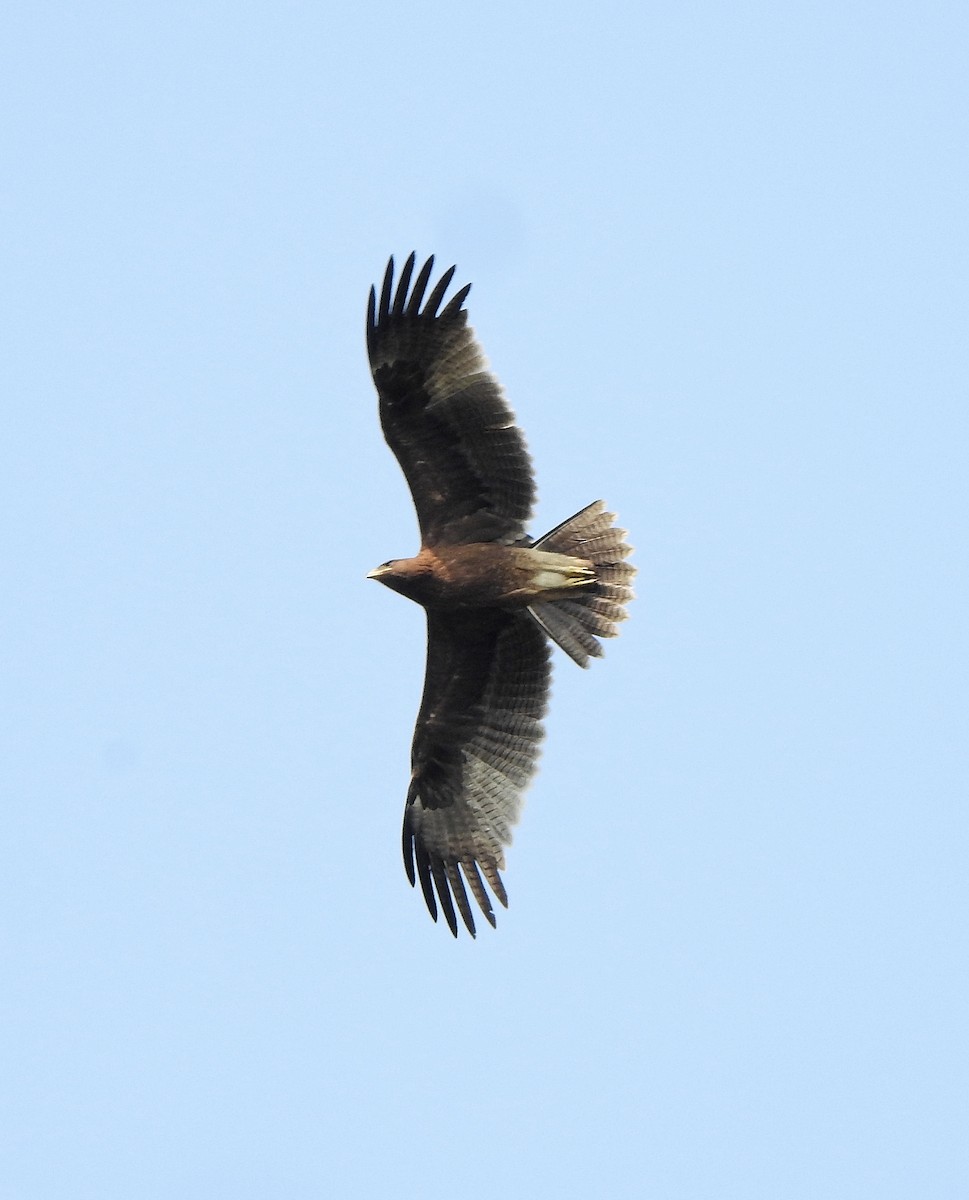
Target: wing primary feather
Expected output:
[408,847]
[460,895]
[435,298]
[444,894]
[470,869]
[420,286]
[403,285]
[424,871]
[492,876]
[454,304]
[384,312]
[371,321]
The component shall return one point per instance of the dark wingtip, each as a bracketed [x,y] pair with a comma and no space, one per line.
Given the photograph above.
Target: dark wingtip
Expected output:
[427,887]
[395,303]
[386,288]
[435,298]
[420,286]
[407,845]
[444,894]
[460,894]
[371,319]
[403,284]
[456,301]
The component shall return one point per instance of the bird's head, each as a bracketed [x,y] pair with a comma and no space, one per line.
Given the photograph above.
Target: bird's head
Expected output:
[408,576]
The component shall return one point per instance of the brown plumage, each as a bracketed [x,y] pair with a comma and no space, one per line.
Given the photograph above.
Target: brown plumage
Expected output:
[493,596]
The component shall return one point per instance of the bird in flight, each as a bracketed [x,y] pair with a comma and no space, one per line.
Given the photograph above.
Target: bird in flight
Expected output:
[494,597]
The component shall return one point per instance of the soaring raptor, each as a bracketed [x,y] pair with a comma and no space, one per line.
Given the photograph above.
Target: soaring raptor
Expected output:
[493,595]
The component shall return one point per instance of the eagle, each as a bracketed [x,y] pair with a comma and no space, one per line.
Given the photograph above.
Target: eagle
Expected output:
[494,597]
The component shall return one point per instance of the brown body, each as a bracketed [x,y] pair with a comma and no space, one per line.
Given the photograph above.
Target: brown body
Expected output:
[486,575]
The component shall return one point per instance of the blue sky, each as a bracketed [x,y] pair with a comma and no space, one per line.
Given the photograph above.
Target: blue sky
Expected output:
[719,256]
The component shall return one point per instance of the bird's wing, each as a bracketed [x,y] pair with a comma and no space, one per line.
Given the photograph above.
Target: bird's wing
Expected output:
[444,415]
[475,751]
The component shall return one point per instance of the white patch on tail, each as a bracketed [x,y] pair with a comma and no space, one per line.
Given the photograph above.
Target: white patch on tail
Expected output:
[547,580]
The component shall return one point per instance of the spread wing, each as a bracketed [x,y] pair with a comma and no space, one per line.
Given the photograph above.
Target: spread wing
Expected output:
[444,415]
[475,751]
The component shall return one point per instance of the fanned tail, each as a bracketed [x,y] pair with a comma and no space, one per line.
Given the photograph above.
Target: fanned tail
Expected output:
[576,624]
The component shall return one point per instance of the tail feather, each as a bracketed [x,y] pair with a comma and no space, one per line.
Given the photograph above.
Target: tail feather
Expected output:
[578,622]
[567,630]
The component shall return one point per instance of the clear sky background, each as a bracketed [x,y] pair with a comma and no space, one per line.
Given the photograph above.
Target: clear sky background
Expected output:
[719,256]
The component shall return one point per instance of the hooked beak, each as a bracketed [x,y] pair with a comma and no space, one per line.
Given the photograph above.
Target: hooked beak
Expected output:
[377,573]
